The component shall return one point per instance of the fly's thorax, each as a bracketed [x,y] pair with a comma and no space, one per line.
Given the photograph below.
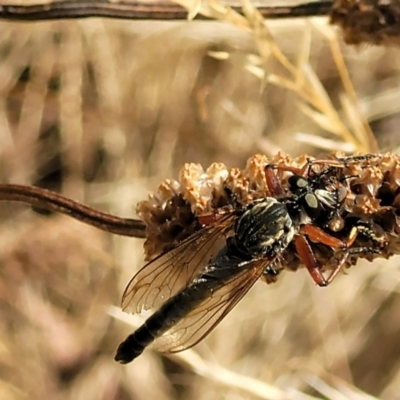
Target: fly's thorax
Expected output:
[264,227]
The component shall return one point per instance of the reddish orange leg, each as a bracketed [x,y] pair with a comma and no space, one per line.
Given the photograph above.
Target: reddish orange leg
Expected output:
[211,217]
[207,218]
[318,235]
[286,168]
[305,252]
[274,186]
[273,183]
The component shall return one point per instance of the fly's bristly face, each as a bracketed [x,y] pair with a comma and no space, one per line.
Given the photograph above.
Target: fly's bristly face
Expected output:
[317,197]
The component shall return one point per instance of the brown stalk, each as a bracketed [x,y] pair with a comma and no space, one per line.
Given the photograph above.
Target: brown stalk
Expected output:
[137,10]
[52,201]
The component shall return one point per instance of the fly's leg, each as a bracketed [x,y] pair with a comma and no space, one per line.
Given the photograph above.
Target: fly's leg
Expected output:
[306,169]
[209,218]
[270,175]
[274,185]
[270,274]
[316,234]
[353,159]
[341,162]
[366,231]
[306,254]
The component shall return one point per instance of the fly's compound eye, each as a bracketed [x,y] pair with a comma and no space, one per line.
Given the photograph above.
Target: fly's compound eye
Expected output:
[296,183]
[312,206]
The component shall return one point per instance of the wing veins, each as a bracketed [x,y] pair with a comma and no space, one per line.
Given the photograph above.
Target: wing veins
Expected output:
[171,271]
[184,335]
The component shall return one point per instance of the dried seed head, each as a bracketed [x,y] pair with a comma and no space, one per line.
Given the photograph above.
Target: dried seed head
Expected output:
[373,197]
[367,21]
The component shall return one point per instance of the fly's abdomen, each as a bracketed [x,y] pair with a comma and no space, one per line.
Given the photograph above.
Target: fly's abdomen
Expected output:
[170,313]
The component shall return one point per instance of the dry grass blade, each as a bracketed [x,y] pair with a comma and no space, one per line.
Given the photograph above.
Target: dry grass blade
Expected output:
[364,133]
[299,77]
[323,143]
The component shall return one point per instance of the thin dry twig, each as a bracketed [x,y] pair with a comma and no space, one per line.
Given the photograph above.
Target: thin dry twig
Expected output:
[136,10]
[53,201]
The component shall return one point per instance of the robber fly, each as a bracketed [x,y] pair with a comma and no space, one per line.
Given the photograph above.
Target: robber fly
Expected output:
[196,284]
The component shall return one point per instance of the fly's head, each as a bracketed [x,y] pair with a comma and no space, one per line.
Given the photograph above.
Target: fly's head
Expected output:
[316,198]
[265,227]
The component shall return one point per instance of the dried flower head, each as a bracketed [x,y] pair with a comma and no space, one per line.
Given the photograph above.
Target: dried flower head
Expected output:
[372,198]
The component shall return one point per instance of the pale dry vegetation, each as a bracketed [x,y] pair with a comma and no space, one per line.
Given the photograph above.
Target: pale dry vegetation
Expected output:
[103,111]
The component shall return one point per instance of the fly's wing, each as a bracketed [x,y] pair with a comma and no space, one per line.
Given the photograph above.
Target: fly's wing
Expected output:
[164,276]
[205,317]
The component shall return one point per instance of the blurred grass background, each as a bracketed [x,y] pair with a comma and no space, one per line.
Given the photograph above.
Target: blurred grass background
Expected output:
[103,111]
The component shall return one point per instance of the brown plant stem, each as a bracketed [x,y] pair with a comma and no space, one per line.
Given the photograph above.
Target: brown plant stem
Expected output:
[137,10]
[52,201]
